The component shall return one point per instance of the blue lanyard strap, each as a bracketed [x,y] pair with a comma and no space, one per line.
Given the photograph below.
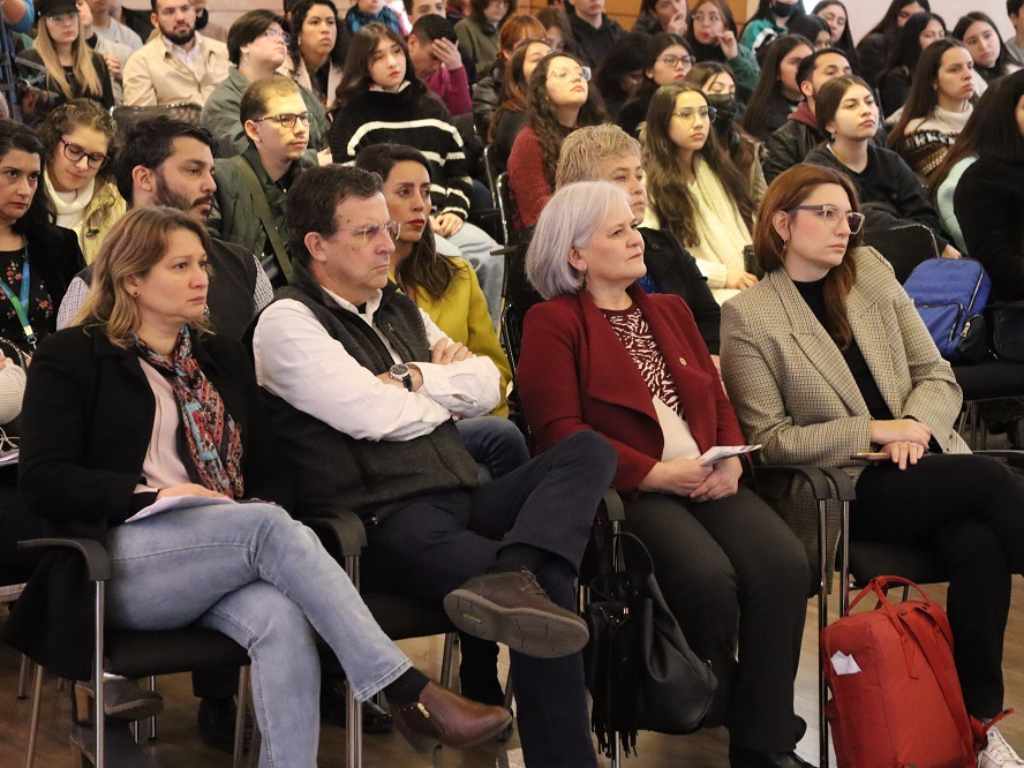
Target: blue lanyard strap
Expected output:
[21,304]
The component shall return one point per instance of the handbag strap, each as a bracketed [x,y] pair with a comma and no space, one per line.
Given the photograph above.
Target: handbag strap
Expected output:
[880,584]
[618,559]
[262,208]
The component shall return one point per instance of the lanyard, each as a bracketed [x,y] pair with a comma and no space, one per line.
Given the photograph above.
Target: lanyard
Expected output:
[21,304]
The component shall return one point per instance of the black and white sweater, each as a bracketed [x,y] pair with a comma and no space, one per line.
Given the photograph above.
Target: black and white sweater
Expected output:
[417,119]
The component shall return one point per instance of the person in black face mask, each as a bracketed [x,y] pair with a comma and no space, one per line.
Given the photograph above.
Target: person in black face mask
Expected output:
[718,85]
[769,22]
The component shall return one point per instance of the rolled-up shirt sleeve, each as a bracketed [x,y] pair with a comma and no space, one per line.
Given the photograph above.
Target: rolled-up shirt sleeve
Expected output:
[468,388]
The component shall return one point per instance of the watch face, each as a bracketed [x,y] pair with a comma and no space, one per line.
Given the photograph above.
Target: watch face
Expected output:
[399,370]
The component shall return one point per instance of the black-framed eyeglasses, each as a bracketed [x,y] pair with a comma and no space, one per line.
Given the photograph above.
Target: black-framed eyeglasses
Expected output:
[286,120]
[689,113]
[832,215]
[75,153]
[366,235]
[675,61]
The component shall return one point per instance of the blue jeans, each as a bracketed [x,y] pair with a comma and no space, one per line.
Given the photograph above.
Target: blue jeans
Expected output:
[263,579]
[495,443]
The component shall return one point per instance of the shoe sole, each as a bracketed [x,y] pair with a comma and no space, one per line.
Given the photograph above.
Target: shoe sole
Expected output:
[529,631]
[425,744]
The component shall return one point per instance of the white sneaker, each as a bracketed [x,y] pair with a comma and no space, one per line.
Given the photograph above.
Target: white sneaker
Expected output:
[998,753]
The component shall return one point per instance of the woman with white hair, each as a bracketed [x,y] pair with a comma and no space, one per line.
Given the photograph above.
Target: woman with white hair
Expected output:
[601,354]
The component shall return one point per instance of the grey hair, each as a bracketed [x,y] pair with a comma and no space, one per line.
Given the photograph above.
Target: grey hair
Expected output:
[569,220]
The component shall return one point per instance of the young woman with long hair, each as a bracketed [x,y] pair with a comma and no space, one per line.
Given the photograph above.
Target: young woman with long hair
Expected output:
[621,73]
[478,32]
[669,59]
[991,57]
[78,138]
[713,36]
[920,31]
[814,28]
[661,16]
[827,357]
[559,100]
[510,117]
[777,93]
[837,17]
[488,91]
[873,49]
[696,192]
[770,21]
[315,52]
[938,107]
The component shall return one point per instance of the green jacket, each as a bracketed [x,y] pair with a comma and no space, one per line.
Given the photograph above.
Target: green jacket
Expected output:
[221,116]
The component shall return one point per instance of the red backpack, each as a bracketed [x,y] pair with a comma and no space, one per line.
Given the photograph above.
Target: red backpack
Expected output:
[896,698]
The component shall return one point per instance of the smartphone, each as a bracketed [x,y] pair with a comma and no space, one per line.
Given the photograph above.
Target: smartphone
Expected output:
[871,456]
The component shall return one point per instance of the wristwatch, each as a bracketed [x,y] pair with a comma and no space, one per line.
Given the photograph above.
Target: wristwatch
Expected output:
[400,372]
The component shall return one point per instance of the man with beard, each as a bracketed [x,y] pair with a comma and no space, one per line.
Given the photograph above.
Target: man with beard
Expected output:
[170,162]
[178,64]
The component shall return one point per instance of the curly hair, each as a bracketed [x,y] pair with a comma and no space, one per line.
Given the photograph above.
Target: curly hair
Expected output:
[541,114]
[670,194]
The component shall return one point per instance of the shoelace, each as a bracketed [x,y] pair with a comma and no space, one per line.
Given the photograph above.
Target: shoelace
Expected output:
[1000,750]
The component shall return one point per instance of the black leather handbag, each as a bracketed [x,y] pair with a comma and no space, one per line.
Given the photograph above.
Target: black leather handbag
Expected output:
[641,672]
[1007,322]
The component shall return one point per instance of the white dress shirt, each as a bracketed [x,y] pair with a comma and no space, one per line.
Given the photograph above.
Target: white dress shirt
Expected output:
[297,360]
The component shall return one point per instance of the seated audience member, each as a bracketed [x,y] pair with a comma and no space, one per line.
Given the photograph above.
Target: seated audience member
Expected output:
[663,406]
[382,442]
[170,163]
[669,60]
[770,21]
[381,101]
[835,14]
[658,16]
[814,28]
[478,32]
[989,198]
[593,31]
[257,48]
[874,48]
[937,108]
[489,91]
[78,140]
[72,69]
[556,27]
[316,54]
[510,116]
[920,31]
[141,354]
[777,93]
[622,71]
[791,143]
[249,202]
[712,36]
[559,100]
[607,153]
[434,52]
[828,357]
[37,258]
[107,26]
[365,12]
[991,57]
[716,82]
[847,112]
[696,191]
[114,54]
[176,65]
[1015,44]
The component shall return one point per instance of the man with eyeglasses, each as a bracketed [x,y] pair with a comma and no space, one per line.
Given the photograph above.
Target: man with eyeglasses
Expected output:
[177,65]
[364,390]
[257,47]
[593,30]
[249,206]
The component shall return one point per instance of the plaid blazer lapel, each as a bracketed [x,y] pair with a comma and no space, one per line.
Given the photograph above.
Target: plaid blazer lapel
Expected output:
[869,331]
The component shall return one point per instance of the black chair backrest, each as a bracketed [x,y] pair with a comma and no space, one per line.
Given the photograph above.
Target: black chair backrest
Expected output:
[904,245]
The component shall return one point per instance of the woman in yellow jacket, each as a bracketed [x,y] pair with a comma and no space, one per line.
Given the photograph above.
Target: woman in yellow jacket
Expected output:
[447,291]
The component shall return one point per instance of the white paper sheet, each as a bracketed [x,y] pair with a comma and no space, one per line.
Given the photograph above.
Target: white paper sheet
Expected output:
[176,502]
[719,452]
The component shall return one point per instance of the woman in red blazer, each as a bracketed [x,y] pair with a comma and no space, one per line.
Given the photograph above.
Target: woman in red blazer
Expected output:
[602,355]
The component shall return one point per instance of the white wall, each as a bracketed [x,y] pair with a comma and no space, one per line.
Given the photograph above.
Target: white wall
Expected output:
[866,13]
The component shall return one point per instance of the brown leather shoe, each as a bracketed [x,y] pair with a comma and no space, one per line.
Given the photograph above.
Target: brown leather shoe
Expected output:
[443,716]
[512,608]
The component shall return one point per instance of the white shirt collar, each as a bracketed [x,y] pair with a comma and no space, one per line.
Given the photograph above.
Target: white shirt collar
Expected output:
[369,308]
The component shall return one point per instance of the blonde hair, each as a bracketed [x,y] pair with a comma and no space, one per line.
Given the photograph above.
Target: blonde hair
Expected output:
[83,67]
[132,248]
[585,148]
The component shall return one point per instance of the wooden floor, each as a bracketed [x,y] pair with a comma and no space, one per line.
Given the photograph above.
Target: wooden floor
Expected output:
[179,744]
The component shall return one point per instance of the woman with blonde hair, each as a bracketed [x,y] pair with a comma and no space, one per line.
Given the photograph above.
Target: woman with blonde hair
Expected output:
[78,138]
[67,68]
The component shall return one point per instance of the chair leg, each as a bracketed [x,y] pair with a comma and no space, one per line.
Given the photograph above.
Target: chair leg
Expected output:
[241,710]
[152,719]
[23,677]
[822,623]
[33,727]
[353,708]
[844,604]
[448,660]
[100,718]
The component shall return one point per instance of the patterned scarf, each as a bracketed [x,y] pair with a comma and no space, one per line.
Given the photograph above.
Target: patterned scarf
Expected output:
[212,440]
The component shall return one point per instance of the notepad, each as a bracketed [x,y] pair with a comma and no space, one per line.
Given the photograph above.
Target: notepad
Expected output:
[719,452]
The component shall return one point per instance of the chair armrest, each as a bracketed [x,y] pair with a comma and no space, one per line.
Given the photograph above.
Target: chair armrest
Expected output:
[1014,458]
[343,528]
[844,485]
[815,477]
[613,506]
[97,561]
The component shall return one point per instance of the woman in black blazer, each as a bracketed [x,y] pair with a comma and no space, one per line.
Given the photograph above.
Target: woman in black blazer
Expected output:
[144,430]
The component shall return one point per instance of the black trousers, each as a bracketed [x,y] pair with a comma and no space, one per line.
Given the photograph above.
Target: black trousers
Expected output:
[727,564]
[434,544]
[969,510]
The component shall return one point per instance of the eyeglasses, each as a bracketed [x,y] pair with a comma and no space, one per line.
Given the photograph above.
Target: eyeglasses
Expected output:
[278,33]
[571,74]
[705,113]
[286,120]
[366,235]
[675,61]
[75,153]
[709,18]
[832,216]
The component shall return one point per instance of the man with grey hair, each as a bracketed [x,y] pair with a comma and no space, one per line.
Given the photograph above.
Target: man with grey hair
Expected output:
[364,392]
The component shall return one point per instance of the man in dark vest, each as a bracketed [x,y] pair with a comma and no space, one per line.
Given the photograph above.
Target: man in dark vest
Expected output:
[364,390]
[170,162]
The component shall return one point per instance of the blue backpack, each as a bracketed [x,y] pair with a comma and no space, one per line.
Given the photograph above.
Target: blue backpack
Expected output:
[951,295]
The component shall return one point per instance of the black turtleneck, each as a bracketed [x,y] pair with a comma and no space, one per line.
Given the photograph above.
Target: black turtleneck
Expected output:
[814,294]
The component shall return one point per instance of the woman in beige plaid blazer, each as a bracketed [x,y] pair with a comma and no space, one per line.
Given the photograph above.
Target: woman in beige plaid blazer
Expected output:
[827,357]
